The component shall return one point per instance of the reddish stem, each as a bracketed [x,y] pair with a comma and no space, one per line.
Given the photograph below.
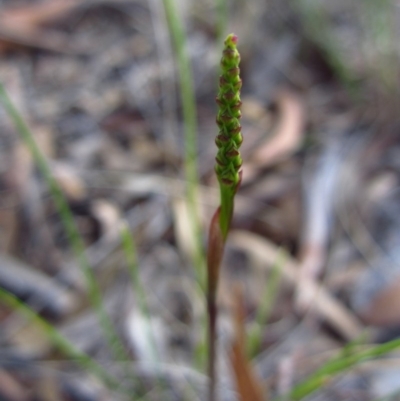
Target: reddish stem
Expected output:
[216,244]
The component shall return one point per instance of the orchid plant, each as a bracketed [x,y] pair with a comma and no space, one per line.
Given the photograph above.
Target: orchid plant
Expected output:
[228,171]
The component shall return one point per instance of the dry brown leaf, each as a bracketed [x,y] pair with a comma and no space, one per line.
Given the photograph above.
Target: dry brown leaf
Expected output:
[288,134]
[252,108]
[109,217]
[14,182]
[312,258]
[69,181]
[384,308]
[326,306]
[248,385]
[183,228]
[8,221]
[22,25]
[287,138]
[55,42]
[10,389]
[30,17]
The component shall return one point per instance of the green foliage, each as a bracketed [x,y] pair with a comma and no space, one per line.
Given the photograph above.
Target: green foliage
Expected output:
[190,131]
[58,340]
[255,336]
[67,220]
[348,358]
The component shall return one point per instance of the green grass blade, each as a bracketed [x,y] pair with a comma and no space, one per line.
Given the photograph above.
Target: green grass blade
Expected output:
[130,252]
[222,19]
[129,249]
[58,340]
[265,309]
[316,26]
[338,365]
[67,221]
[190,131]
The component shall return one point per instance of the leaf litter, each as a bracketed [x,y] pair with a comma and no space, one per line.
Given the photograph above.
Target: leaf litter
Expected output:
[97,84]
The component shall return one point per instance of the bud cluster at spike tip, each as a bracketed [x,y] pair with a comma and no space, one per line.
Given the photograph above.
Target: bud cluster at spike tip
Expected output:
[229,139]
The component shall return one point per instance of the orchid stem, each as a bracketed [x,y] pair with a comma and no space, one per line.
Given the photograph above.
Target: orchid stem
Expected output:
[227,168]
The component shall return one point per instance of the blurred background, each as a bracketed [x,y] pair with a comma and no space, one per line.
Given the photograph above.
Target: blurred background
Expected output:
[119,96]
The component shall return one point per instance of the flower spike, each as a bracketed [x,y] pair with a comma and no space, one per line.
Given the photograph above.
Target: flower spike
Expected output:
[229,139]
